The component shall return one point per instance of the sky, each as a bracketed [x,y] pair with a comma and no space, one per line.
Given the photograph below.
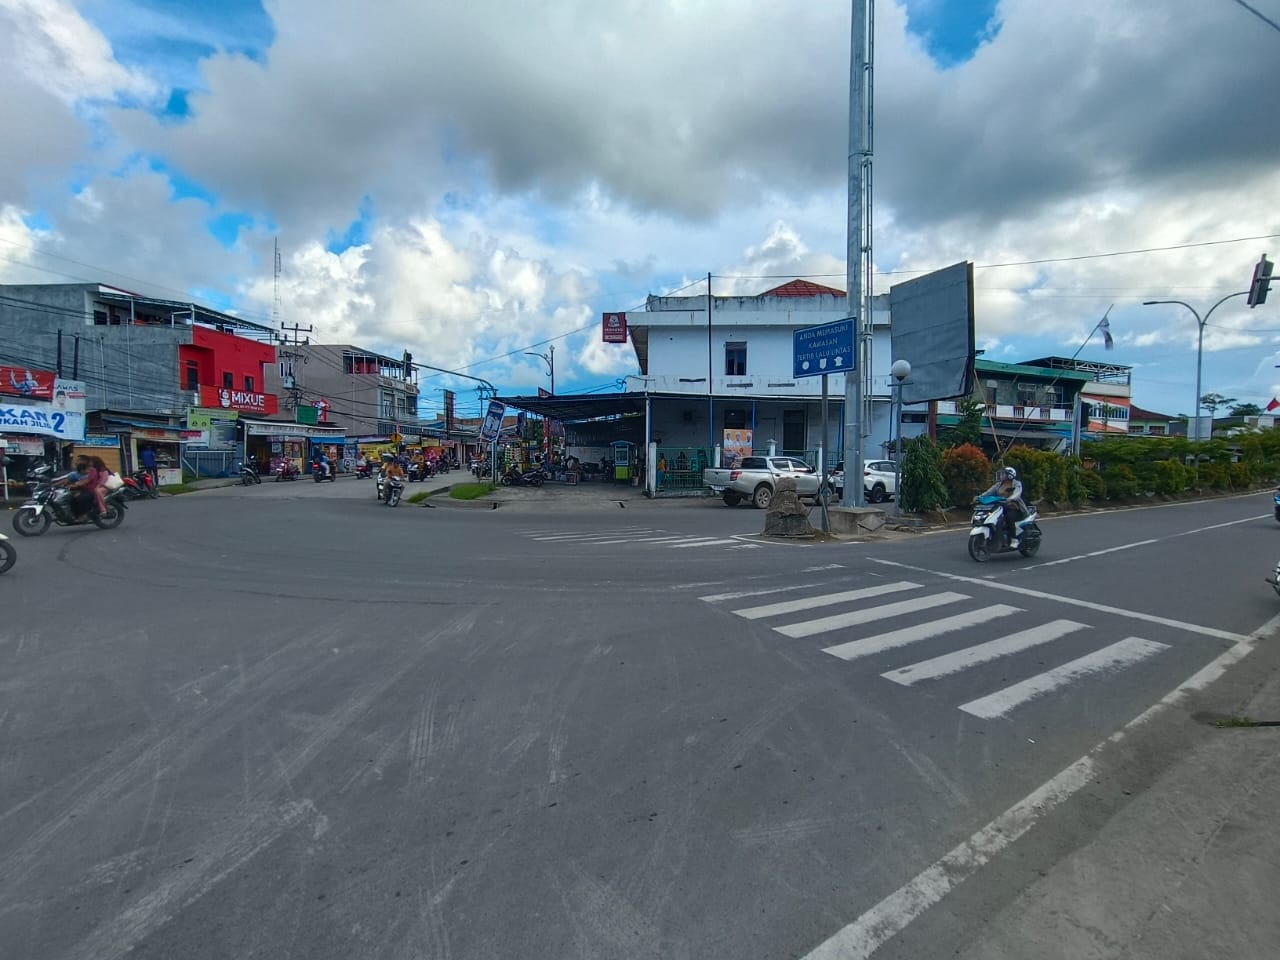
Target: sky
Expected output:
[473,181]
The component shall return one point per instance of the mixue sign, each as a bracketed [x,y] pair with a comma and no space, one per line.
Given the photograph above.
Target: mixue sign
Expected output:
[244,401]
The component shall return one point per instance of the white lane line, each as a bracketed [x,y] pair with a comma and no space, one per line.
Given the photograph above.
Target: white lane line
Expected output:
[687,541]
[636,540]
[739,594]
[950,663]
[907,635]
[583,537]
[1070,601]
[829,566]
[1219,526]
[888,918]
[807,628]
[1086,556]
[702,543]
[824,600]
[1123,653]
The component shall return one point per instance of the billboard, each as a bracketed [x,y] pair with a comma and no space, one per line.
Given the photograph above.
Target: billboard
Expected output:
[932,323]
[245,401]
[448,411]
[28,383]
[615,328]
[492,424]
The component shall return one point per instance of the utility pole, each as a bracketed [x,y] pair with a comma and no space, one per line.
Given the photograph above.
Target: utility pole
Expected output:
[288,374]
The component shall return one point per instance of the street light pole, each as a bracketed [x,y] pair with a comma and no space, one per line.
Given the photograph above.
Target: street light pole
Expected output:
[901,369]
[549,360]
[1200,323]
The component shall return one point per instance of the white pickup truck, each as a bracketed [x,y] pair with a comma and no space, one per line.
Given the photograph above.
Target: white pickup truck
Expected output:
[755,479]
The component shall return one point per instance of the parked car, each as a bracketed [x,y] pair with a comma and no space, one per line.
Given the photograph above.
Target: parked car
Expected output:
[756,478]
[879,482]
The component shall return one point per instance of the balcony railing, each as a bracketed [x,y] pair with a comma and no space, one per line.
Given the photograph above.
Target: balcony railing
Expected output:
[1045,413]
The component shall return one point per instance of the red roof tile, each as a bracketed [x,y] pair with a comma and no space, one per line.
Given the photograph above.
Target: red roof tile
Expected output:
[801,288]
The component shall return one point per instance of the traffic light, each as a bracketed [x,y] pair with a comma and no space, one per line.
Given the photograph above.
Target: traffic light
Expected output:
[1261,283]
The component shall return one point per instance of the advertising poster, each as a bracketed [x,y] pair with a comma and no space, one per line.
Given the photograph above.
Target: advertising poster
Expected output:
[737,444]
[24,382]
[43,421]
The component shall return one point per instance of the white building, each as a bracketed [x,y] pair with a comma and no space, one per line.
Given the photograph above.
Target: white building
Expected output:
[730,369]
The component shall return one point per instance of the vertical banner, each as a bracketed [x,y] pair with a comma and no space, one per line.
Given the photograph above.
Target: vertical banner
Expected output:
[737,444]
[615,328]
[448,411]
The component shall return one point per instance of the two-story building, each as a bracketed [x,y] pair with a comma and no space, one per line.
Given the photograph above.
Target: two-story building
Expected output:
[147,365]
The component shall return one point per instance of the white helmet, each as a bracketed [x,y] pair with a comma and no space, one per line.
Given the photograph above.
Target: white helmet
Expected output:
[1010,473]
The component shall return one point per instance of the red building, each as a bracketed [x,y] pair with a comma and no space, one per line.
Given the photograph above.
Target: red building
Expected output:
[227,372]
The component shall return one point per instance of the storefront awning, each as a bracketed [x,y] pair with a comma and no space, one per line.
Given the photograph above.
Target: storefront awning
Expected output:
[575,409]
[150,430]
[283,428]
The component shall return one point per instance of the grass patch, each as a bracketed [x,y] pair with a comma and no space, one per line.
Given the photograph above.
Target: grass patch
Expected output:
[1236,722]
[471,491]
[173,489]
[420,496]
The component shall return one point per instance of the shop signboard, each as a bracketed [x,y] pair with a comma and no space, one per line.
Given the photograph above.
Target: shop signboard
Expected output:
[41,421]
[614,328]
[202,418]
[28,383]
[244,401]
[169,476]
[24,447]
[105,441]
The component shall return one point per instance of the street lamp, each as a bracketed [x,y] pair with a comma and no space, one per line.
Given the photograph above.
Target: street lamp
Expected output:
[1199,352]
[549,360]
[901,369]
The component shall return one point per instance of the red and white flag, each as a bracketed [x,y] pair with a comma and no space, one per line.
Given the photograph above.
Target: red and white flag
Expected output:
[1273,405]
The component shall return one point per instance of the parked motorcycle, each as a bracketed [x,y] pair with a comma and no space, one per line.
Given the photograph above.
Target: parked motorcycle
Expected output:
[249,474]
[51,504]
[8,554]
[529,478]
[288,470]
[394,489]
[145,483]
[988,534]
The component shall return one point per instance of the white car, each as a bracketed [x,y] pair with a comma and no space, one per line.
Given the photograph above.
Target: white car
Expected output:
[878,480]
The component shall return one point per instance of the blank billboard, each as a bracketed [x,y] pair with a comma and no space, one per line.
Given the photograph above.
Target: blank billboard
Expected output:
[932,323]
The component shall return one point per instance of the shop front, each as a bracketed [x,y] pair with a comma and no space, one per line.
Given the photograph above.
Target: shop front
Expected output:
[165,440]
[269,443]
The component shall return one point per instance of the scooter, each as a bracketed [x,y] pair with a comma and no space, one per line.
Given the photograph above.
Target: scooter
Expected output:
[8,555]
[1277,499]
[988,534]
[321,472]
[394,488]
[364,472]
[249,474]
[415,472]
[288,470]
[514,478]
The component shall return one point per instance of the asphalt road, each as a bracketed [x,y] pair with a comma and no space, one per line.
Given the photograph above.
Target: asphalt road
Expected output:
[285,721]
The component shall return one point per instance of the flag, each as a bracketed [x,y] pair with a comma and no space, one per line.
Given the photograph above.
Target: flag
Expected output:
[1105,326]
[1273,405]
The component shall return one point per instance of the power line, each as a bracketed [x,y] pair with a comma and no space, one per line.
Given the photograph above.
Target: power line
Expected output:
[1260,15]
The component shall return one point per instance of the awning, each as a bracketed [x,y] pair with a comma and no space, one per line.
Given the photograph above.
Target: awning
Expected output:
[283,428]
[150,430]
[579,408]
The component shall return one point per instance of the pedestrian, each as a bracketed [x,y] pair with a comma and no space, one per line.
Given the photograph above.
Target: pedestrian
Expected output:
[148,458]
[662,471]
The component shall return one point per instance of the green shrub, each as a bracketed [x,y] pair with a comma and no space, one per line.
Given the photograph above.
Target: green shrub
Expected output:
[1092,486]
[966,471]
[1033,469]
[1169,476]
[922,485]
[1240,476]
[1121,482]
[1216,476]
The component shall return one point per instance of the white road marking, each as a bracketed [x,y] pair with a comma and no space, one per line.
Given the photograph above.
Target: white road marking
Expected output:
[738,594]
[1086,556]
[600,543]
[1123,653]
[807,628]
[583,537]
[1071,601]
[700,542]
[1219,526]
[907,635]
[824,600]
[829,566]
[865,935]
[950,663]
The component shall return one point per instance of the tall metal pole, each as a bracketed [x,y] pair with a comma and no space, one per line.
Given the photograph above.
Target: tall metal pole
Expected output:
[711,420]
[853,380]
[824,461]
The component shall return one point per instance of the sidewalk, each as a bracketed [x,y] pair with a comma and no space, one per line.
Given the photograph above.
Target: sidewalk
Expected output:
[1190,867]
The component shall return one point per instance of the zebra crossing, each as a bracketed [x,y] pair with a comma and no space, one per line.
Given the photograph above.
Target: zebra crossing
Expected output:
[650,536]
[859,623]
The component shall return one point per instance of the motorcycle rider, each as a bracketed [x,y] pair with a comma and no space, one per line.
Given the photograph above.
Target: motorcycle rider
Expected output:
[1009,487]
[390,468]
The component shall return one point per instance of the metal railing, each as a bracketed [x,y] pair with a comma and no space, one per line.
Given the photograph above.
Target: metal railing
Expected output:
[211,463]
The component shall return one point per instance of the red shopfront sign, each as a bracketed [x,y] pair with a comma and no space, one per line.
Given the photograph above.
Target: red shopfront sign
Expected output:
[615,328]
[242,400]
[25,382]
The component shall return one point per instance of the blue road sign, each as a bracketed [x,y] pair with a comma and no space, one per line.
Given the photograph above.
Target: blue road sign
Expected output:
[827,348]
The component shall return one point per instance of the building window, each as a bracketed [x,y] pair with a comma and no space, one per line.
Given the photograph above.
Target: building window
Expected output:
[228,380]
[1135,428]
[193,375]
[735,359]
[1026,396]
[248,385]
[1156,431]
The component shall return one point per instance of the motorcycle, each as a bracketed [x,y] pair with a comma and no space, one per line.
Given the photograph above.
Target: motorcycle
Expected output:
[288,470]
[51,504]
[320,472]
[529,478]
[364,471]
[415,472]
[145,483]
[988,534]
[1277,499]
[1274,579]
[8,555]
[394,489]
[249,474]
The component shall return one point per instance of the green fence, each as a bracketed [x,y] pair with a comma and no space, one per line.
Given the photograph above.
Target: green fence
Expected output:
[680,468]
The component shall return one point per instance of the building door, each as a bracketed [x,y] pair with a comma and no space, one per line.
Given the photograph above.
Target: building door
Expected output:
[793,432]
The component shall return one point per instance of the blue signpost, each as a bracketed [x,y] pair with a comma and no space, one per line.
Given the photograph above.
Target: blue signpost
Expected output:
[825,349]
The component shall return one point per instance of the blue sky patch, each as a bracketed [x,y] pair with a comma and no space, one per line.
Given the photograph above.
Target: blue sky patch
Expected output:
[357,232]
[952,31]
[226,227]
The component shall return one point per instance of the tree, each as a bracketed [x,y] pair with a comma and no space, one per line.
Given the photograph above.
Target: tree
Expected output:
[1212,401]
[922,485]
[1246,410]
[969,429]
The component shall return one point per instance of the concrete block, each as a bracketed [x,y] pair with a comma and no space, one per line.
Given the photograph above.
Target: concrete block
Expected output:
[851,521]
